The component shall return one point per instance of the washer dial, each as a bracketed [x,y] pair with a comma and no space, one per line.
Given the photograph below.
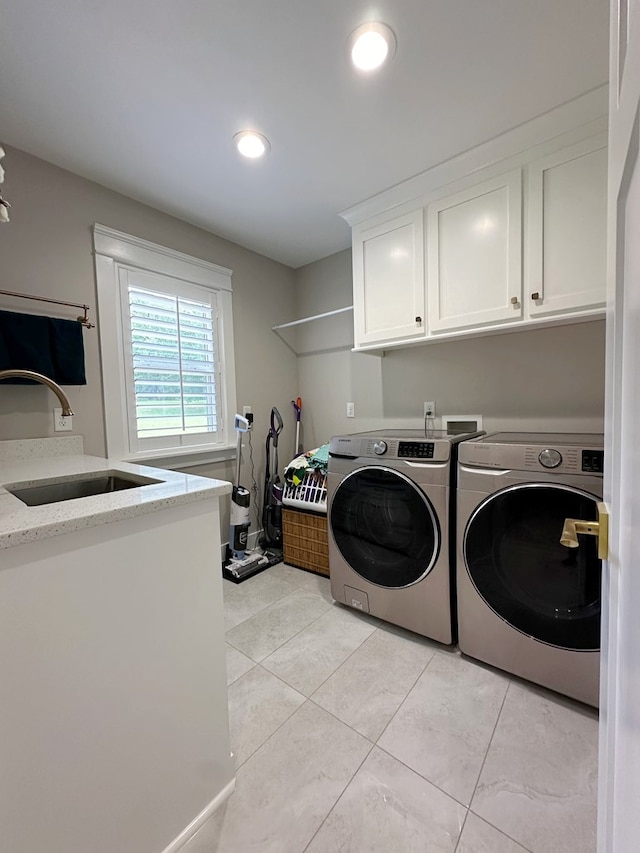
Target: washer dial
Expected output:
[550,458]
[380,448]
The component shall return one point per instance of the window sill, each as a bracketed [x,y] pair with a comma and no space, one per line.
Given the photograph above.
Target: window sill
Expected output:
[176,458]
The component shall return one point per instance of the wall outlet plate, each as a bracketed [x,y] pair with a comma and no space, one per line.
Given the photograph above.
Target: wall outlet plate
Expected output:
[61,424]
[430,409]
[351,410]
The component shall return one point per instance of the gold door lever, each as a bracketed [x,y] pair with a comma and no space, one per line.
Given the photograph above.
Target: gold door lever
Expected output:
[600,528]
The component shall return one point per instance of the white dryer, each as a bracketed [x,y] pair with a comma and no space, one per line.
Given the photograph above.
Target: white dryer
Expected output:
[527,604]
[389,498]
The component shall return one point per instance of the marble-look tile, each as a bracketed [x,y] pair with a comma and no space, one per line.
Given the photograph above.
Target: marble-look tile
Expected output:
[443,728]
[258,705]
[539,782]
[367,690]
[479,837]
[388,807]
[289,573]
[245,599]
[287,788]
[314,654]
[237,664]
[319,584]
[262,634]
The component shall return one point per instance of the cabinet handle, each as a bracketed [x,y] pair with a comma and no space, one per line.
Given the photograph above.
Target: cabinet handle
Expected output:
[514,300]
[418,319]
[535,295]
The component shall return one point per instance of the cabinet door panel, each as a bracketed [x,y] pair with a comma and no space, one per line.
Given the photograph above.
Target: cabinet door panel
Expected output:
[567,230]
[474,256]
[388,276]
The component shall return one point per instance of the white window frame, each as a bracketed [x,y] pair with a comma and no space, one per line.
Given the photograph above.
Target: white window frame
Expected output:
[116,252]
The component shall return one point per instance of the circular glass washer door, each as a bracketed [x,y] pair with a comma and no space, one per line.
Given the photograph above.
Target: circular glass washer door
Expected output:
[385,527]
[513,555]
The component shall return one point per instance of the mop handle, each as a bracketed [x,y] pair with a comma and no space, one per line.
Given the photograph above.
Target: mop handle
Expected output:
[297,405]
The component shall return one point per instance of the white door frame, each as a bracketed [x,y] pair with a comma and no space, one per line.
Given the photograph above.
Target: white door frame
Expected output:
[619,760]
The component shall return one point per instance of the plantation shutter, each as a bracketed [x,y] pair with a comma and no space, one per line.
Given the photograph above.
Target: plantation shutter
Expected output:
[174,361]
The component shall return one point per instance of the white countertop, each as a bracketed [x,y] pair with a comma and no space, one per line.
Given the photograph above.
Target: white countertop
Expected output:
[21,464]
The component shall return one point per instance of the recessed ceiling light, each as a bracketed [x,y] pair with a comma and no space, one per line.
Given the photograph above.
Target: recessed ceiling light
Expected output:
[370,45]
[251,144]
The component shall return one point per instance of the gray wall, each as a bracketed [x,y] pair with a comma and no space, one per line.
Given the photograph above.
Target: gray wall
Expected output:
[46,250]
[544,379]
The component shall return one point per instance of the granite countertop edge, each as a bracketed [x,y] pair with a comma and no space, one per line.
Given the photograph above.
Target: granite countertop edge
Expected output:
[20,523]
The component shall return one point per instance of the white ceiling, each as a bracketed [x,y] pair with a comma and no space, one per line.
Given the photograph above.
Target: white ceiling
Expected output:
[144,96]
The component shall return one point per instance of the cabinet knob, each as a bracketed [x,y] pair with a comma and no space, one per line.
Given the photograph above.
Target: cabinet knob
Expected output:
[514,300]
[535,295]
[418,319]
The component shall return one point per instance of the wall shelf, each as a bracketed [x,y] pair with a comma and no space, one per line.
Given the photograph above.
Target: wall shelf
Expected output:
[314,317]
[310,319]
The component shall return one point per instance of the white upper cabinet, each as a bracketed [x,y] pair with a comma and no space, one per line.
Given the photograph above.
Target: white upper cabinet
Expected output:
[388,277]
[567,230]
[514,236]
[474,256]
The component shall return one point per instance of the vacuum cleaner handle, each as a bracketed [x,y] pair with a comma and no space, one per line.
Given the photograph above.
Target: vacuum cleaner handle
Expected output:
[275,431]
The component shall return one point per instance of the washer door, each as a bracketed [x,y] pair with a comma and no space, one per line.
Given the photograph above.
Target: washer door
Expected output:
[513,555]
[385,527]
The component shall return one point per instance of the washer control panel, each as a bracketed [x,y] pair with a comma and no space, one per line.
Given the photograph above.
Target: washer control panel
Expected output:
[386,447]
[415,450]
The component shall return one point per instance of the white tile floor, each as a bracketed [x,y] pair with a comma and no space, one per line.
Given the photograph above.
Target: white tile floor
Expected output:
[353,736]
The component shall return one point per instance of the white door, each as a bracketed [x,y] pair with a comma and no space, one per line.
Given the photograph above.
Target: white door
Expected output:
[619,796]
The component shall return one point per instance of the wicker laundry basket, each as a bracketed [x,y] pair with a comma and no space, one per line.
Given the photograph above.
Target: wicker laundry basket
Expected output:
[304,524]
[304,540]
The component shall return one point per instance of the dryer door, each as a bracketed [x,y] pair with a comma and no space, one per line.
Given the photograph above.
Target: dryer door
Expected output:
[513,555]
[385,527]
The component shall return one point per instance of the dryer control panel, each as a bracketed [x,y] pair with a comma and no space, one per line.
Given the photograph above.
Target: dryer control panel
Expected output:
[593,461]
[555,454]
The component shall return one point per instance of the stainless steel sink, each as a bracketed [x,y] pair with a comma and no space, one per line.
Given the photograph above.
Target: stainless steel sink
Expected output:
[71,489]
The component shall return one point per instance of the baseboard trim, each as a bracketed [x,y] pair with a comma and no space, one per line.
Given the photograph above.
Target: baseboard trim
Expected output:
[188,832]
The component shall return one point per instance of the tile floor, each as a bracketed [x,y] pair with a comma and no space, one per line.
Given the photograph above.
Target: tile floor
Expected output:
[353,736]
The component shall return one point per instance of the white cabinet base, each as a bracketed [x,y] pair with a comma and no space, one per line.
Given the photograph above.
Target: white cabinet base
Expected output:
[114,723]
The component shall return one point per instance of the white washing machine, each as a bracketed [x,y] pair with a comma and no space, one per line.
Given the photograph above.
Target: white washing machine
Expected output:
[389,498]
[527,604]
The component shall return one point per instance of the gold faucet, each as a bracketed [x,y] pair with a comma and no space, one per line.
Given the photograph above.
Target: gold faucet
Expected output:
[67,411]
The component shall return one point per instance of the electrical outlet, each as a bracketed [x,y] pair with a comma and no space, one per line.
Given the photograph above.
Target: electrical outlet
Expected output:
[248,414]
[430,410]
[61,424]
[351,410]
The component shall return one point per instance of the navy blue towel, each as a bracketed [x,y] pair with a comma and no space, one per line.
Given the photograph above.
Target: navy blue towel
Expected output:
[44,344]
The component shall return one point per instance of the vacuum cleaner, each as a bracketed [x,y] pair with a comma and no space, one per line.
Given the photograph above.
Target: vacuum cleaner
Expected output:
[240,563]
[273,488]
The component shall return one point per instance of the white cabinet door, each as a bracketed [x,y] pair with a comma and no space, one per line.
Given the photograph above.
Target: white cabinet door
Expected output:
[388,281]
[474,255]
[567,230]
